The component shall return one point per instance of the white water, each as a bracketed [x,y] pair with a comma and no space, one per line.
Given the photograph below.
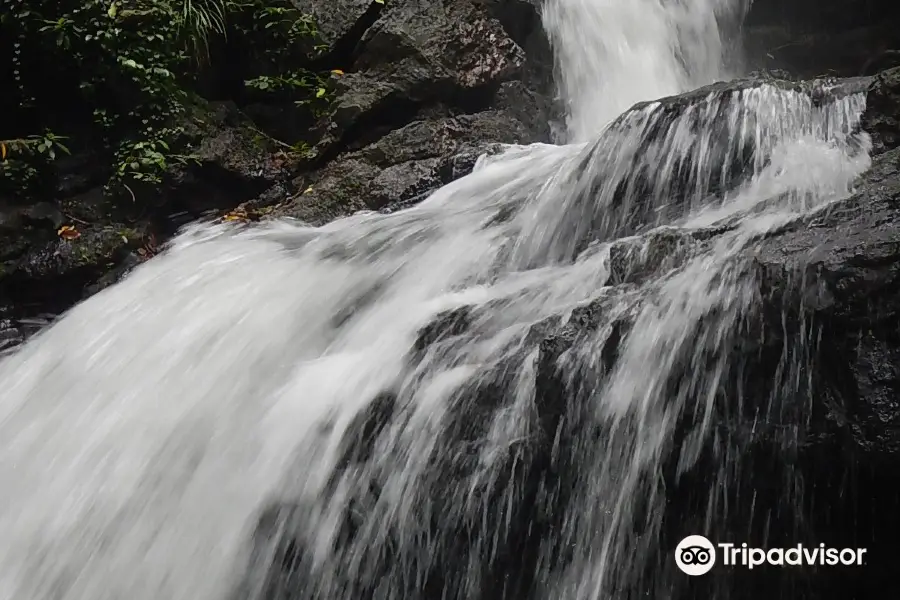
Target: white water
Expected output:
[613,54]
[142,435]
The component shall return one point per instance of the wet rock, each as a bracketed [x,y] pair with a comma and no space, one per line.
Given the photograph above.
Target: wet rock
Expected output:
[846,269]
[340,23]
[633,260]
[882,116]
[367,426]
[447,324]
[40,267]
[418,54]
[405,164]
[804,447]
[811,38]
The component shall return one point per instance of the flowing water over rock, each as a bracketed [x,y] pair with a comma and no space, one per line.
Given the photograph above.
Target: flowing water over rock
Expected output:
[478,397]
[612,54]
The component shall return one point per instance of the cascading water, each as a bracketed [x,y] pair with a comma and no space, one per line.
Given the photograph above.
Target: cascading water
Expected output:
[472,398]
[612,54]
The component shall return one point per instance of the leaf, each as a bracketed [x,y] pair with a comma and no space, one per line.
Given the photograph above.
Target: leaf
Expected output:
[68,232]
[379,1]
[237,215]
[2,151]
[337,72]
[113,9]
[320,92]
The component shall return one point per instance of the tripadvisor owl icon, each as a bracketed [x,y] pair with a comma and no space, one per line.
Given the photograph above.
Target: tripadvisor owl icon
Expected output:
[695,555]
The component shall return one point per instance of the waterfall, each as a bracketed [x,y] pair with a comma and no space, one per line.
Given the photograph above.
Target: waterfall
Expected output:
[472,398]
[612,54]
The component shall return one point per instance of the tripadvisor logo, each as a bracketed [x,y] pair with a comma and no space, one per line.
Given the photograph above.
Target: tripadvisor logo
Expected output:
[696,555]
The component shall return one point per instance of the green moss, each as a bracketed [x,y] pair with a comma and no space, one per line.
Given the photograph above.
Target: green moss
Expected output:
[99,247]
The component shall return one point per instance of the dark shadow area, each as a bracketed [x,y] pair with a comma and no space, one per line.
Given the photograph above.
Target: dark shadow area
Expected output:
[811,38]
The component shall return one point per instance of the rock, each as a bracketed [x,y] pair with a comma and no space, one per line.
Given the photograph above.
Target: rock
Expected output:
[406,163]
[230,163]
[418,54]
[846,269]
[455,41]
[882,117]
[805,446]
[812,38]
[833,279]
[340,22]
[428,87]
[336,191]
[52,272]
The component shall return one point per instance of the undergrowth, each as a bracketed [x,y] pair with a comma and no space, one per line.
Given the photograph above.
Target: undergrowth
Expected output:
[119,76]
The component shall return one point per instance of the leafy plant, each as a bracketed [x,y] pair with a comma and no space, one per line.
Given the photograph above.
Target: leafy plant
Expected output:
[288,32]
[199,20]
[120,71]
[23,160]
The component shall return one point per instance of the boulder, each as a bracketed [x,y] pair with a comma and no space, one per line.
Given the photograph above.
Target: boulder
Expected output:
[843,267]
[804,445]
[882,118]
[340,22]
[407,163]
[426,88]
[56,253]
[419,54]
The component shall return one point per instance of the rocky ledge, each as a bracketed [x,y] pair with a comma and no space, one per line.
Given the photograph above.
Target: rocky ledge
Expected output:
[806,443]
[421,89]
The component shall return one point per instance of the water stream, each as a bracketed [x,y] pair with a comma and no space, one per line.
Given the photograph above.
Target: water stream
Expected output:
[181,435]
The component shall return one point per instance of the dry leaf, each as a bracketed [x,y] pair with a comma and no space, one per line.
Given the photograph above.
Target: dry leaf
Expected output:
[2,151]
[337,72]
[237,215]
[68,232]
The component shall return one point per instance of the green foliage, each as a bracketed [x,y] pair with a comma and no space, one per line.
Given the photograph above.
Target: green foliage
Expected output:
[118,74]
[36,152]
[287,31]
[199,20]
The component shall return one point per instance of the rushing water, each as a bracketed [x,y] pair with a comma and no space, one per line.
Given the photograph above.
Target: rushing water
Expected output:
[181,434]
[612,54]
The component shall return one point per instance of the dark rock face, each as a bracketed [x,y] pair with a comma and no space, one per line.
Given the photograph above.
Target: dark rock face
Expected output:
[431,85]
[848,264]
[808,453]
[812,38]
[427,87]
[882,120]
[41,271]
